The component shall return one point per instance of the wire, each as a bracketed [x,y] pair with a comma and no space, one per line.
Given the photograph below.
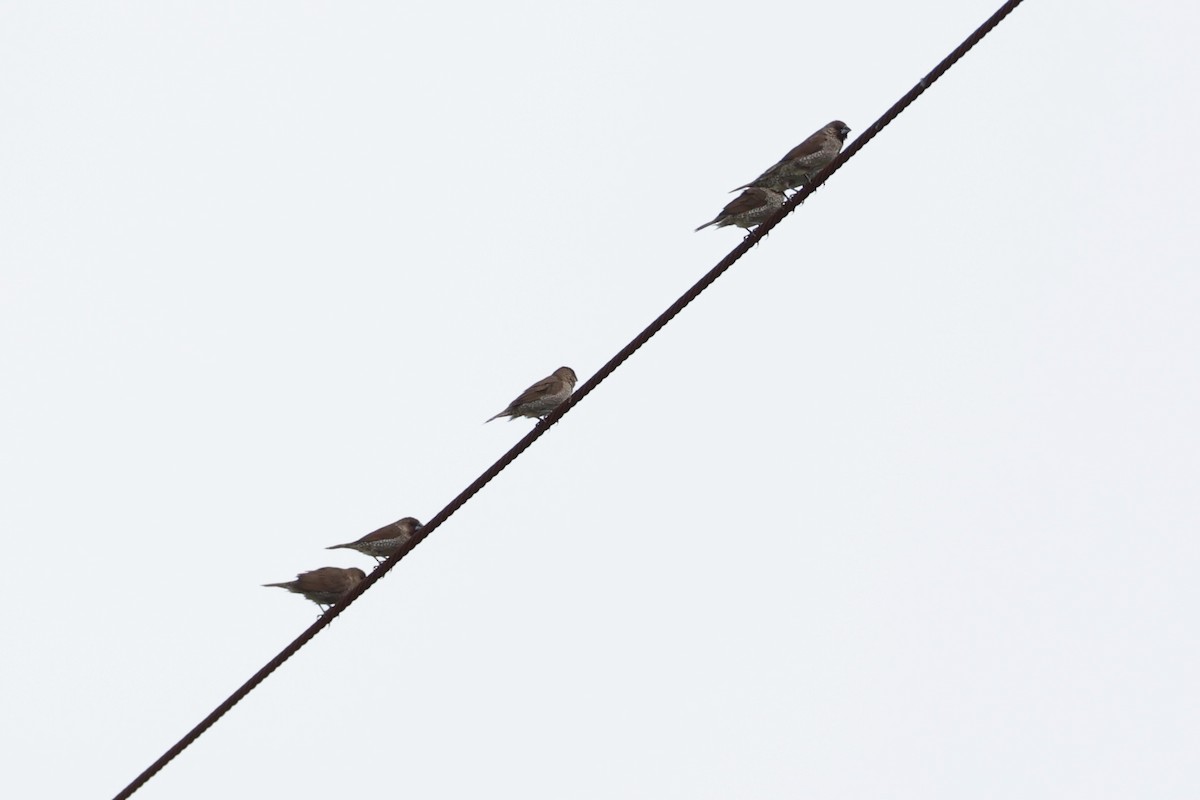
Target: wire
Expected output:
[628,350]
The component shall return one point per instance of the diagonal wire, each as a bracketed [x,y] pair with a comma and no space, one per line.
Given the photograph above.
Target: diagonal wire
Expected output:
[628,350]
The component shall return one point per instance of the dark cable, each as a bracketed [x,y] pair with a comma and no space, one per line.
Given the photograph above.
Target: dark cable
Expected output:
[583,391]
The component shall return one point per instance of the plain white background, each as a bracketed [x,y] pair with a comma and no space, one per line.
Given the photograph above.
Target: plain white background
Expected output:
[905,506]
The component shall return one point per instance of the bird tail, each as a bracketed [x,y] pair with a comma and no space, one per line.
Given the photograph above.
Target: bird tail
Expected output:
[705,225]
[280,585]
[337,546]
[498,416]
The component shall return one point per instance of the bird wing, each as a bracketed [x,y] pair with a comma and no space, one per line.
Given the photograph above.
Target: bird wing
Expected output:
[551,385]
[386,532]
[325,579]
[808,147]
[746,201]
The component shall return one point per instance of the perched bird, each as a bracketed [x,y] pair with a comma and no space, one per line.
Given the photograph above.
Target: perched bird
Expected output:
[804,160]
[749,208]
[543,397]
[324,586]
[384,542]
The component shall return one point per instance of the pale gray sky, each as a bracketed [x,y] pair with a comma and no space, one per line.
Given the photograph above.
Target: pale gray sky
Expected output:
[906,506]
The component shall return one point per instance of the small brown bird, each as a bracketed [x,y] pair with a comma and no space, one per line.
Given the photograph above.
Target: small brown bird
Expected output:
[324,586]
[749,208]
[804,160]
[386,541]
[541,398]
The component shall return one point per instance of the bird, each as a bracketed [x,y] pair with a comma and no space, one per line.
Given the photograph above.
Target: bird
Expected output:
[324,586]
[384,542]
[749,208]
[804,160]
[541,398]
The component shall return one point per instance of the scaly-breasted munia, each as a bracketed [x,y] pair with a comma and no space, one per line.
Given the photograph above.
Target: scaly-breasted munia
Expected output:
[324,586]
[804,160]
[543,397]
[386,541]
[749,208]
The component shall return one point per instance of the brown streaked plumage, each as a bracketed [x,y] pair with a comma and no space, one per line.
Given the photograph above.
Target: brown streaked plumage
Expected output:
[804,160]
[749,208]
[386,541]
[541,398]
[324,586]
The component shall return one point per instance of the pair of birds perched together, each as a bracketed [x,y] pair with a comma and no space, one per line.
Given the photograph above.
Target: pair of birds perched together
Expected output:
[765,194]
[328,585]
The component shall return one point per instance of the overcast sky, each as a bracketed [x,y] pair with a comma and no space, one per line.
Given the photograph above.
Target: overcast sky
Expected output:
[905,506]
